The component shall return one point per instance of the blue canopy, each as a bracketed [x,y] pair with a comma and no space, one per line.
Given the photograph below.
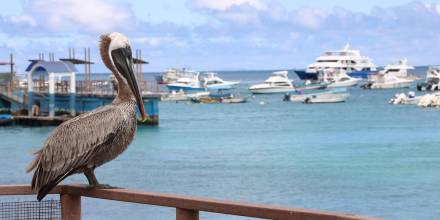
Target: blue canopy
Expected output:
[51,66]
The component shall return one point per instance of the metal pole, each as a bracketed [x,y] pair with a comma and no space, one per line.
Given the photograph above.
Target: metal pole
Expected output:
[85,69]
[11,63]
[89,70]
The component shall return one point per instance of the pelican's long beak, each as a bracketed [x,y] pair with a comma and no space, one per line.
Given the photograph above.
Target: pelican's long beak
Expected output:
[124,63]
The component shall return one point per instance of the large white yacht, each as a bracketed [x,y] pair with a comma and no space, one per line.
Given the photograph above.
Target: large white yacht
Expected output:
[345,59]
[278,82]
[392,76]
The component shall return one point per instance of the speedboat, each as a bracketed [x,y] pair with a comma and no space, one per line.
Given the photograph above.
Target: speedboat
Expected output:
[190,82]
[392,76]
[432,82]
[338,78]
[325,96]
[402,99]
[212,82]
[278,82]
[182,96]
[345,59]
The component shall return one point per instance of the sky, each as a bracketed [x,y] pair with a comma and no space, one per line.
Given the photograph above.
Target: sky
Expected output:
[226,34]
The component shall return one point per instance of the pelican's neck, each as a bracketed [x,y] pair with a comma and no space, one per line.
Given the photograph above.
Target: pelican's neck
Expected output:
[124,92]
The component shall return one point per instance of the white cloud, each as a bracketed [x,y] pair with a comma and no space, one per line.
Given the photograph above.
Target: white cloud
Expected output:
[221,5]
[86,15]
[156,42]
[310,18]
[22,19]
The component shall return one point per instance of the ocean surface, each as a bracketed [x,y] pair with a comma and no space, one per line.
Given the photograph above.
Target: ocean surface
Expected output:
[363,156]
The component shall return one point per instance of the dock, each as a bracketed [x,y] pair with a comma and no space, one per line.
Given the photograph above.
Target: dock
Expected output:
[54,93]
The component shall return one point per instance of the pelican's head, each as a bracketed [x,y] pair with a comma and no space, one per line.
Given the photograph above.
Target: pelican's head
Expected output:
[116,54]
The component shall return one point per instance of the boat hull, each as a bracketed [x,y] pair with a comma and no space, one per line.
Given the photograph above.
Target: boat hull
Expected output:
[347,83]
[224,86]
[327,98]
[391,85]
[185,88]
[304,75]
[271,90]
[234,100]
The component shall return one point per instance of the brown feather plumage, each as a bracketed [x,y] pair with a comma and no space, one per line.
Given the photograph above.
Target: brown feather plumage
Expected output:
[86,141]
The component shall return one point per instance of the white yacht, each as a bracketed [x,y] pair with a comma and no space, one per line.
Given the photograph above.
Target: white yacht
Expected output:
[188,83]
[432,82]
[278,82]
[172,75]
[212,82]
[392,76]
[345,59]
[338,78]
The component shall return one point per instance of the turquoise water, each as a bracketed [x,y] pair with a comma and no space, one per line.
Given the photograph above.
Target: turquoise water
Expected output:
[364,156]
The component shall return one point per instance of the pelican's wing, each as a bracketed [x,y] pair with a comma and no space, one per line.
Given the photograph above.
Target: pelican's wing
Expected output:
[72,145]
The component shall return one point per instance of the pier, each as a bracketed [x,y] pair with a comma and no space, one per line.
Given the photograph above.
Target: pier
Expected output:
[187,207]
[53,91]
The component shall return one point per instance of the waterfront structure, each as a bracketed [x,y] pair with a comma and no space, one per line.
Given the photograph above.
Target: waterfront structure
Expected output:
[55,88]
[56,70]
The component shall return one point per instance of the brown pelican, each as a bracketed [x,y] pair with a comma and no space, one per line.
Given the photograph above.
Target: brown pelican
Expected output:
[85,142]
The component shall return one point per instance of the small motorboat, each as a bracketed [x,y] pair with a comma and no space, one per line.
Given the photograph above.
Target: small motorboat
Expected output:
[432,82]
[182,96]
[221,97]
[206,100]
[402,99]
[326,96]
[278,82]
[233,99]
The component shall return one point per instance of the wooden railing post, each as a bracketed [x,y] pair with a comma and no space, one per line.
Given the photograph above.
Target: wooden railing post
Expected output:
[70,207]
[186,214]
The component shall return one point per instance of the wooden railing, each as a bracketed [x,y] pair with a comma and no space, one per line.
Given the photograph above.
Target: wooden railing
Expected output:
[187,207]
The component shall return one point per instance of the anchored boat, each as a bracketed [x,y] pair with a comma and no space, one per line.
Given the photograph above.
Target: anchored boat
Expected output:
[392,76]
[338,78]
[326,96]
[432,82]
[345,59]
[212,82]
[278,82]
